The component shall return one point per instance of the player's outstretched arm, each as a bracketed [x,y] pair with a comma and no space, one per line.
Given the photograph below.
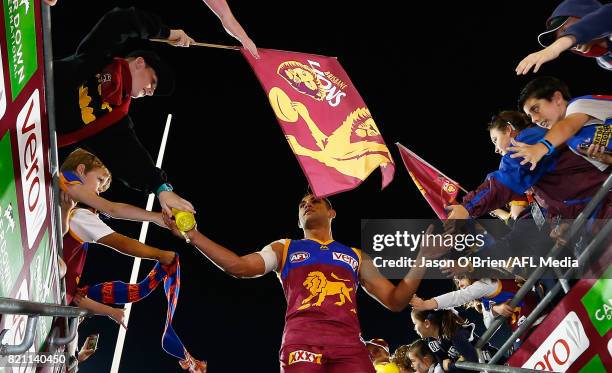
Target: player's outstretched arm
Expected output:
[246,266]
[396,297]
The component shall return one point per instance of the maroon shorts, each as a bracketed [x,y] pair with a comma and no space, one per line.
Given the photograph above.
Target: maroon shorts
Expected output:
[325,359]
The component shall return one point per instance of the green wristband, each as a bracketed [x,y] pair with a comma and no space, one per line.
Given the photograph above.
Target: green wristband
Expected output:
[165,187]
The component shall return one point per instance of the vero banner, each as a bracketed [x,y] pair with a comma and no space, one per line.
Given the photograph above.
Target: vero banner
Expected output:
[562,347]
[576,335]
[598,303]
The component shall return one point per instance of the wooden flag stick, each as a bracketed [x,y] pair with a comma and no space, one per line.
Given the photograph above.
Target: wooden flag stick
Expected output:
[198,44]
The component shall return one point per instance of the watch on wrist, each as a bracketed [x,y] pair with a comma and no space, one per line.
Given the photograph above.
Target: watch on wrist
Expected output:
[165,187]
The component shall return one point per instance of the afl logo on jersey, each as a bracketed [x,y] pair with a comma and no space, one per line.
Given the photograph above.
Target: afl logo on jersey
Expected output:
[300,256]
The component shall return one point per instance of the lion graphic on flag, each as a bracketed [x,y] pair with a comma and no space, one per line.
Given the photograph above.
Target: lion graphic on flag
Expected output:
[338,150]
[302,78]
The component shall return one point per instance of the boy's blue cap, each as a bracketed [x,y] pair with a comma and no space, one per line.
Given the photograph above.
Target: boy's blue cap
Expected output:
[568,8]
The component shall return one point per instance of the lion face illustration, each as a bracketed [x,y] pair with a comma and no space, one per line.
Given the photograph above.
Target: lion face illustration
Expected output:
[302,78]
[362,123]
[367,128]
[315,282]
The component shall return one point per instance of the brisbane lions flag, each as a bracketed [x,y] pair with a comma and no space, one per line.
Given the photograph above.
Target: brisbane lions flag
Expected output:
[324,119]
[437,188]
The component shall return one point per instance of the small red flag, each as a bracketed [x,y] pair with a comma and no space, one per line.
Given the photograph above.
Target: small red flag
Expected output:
[324,119]
[438,189]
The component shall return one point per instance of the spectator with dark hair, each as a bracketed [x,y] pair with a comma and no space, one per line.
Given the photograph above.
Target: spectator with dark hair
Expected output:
[548,102]
[450,337]
[506,122]
[563,182]
[488,296]
[94,88]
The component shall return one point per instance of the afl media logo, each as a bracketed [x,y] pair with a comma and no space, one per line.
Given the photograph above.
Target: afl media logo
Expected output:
[300,256]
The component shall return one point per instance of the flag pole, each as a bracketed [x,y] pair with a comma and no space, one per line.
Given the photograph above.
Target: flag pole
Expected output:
[198,44]
[136,266]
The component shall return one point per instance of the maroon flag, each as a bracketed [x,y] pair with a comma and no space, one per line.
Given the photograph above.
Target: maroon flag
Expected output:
[438,189]
[324,119]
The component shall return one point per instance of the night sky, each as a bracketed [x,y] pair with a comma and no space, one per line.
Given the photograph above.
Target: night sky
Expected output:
[432,75]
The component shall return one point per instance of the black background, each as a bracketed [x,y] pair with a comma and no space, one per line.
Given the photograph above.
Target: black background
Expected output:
[432,74]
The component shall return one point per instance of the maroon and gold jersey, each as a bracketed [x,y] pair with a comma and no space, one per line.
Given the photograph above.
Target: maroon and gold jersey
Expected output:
[75,254]
[506,290]
[75,249]
[320,281]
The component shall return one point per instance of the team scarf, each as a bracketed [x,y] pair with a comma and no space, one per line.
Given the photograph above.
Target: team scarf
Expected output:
[68,178]
[119,292]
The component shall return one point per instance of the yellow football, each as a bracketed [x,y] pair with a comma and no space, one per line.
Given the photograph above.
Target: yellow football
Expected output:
[281,104]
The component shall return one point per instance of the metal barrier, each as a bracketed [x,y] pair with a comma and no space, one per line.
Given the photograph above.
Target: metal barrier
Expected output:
[480,367]
[28,339]
[589,251]
[33,310]
[56,212]
[72,332]
[537,274]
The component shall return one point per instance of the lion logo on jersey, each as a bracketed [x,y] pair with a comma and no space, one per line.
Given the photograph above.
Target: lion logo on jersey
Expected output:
[320,287]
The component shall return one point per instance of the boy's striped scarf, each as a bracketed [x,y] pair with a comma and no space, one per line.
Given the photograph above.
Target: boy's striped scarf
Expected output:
[118,292]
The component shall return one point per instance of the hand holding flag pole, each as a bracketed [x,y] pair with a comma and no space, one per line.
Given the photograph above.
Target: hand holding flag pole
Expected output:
[199,44]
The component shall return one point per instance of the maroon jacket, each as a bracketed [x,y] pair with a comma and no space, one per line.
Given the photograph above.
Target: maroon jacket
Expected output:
[563,191]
